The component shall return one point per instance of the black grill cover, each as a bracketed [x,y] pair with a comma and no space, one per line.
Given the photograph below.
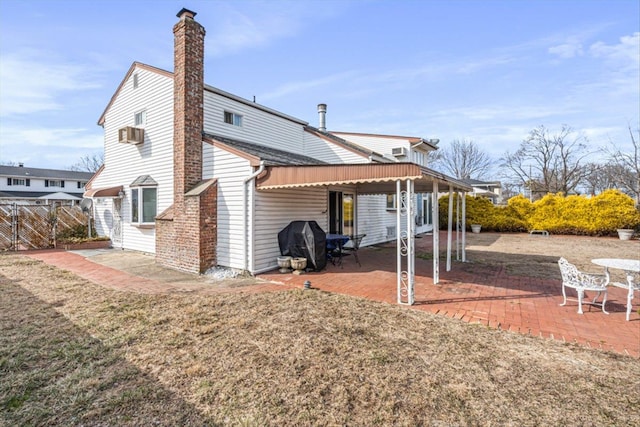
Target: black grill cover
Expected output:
[304,239]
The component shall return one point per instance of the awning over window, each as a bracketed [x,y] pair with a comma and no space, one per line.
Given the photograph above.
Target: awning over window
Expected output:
[104,192]
[370,178]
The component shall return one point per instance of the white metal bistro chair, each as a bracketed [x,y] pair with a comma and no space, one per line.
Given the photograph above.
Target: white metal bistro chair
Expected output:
[581,282]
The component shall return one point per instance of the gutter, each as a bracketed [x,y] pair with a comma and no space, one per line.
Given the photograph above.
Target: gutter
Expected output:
[245,197]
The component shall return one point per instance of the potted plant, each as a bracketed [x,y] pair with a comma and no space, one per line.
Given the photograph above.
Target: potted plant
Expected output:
[625,233]
[298,264]
[284,262]
[475,228]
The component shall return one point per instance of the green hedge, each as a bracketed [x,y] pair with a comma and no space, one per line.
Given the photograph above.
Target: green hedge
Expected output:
[596,216]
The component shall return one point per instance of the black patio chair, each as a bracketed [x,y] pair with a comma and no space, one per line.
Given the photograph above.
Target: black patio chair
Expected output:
[354,245]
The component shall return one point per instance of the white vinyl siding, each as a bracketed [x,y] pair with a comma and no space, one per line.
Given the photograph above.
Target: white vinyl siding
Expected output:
[230,171]
[258,127]
[275,210]
[329,152]
[125,162]
[374,218]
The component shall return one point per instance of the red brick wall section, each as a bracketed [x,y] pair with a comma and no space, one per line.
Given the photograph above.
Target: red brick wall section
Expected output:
[208,227]
[188,241]
[165,237]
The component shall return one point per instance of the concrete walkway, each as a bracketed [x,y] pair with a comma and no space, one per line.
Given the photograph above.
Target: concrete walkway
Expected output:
[526,305]
[137,272]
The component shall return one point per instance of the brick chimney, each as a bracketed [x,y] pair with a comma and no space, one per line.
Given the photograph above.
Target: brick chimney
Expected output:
[188,92]
[186,232]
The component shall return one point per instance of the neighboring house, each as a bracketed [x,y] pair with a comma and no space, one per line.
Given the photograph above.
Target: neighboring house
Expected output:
[33,186]
[202,177]
[492,190]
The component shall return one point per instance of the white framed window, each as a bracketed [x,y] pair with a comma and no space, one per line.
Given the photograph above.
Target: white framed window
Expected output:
[54,183]
[391,202]
[143,205]
[81,184]
[140,118]
[136,82]
[233,118]
[19,181]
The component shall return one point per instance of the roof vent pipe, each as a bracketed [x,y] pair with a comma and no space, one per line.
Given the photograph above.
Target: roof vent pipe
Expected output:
[322,117]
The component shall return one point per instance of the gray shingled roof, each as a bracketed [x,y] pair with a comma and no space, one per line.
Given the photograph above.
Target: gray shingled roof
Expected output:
[344,142]
[478,182]
[143,180]
[33,194]
[270,156]
[24,172]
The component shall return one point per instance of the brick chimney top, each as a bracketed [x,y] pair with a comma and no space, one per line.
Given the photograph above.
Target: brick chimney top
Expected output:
[186,13]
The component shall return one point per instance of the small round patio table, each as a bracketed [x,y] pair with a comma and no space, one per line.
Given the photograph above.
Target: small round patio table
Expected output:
[631,267]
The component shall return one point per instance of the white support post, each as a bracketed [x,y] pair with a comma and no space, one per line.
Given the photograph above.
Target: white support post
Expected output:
[449,227]
[464,227]
[436,234]
[410,244]
[404,242]
[457,226]
[398,241]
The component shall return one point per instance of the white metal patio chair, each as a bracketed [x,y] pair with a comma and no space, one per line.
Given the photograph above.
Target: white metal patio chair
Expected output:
[581,282]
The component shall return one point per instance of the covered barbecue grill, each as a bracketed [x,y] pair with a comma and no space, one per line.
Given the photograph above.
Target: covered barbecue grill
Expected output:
[304,239]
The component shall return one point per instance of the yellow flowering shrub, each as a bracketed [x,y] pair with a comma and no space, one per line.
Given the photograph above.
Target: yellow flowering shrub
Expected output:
[599,215]
[480,210]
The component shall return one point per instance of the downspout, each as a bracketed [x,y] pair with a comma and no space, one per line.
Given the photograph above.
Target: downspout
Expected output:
[245,196]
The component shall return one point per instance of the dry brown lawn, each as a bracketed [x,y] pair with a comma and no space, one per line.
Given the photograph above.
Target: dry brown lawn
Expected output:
[73,353]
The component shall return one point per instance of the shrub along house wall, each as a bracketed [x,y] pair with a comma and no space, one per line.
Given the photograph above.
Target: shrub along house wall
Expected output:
[600,215]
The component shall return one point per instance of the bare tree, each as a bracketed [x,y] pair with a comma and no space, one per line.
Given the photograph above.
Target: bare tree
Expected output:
[548,163]
[8,163]
[510,190]
[628,167]
[434,156]
[88,163]
[464,160]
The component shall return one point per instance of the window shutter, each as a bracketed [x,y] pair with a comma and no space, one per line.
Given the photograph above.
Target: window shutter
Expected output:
[78,184]
[62,184]
[46,182]
[8,181]
[28,182]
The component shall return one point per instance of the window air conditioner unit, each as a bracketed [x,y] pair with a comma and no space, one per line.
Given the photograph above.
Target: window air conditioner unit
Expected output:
[399,151]
[131,135]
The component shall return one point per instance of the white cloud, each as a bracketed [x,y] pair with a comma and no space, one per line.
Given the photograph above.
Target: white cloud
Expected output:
[626,53]
[45,138]
[239,31]
[567,50]
[245,25]
[55,148]
[31,83]
[505,113]
[294,87]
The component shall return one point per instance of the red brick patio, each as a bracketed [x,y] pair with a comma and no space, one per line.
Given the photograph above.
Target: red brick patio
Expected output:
[489,296]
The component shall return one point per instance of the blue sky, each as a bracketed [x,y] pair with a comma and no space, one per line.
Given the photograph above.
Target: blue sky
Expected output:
[485,70]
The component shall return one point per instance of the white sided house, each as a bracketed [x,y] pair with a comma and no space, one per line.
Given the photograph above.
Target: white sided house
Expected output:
[35,186]
[202,177]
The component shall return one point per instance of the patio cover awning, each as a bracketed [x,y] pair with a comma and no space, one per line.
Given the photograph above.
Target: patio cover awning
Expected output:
[104,192]
[371,178]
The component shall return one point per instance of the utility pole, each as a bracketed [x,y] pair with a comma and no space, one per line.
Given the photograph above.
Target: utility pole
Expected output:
[530,187]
